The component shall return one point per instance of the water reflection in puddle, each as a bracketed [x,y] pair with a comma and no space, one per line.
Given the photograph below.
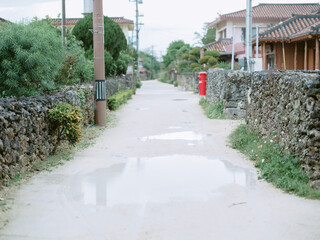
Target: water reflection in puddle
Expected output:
[187,135]
[160,180]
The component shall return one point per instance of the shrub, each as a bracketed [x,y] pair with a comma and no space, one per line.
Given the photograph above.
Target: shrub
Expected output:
[138,84]
[213,53]
[195,52]
[204,60]
[223,65]
[194,66]
[185,56]
[184,66]
[66,122]
[30,58]
[176,84]
[115,101]
[212,61]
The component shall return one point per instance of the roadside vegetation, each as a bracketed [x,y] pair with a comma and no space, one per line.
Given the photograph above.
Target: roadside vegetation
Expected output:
[183,58]
[212,111]
[120,98]
[276,165]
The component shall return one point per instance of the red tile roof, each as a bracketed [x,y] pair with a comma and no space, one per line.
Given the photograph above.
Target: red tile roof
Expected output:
[218,45]
[265,11]
[69,21]
[121,20]
[296,26]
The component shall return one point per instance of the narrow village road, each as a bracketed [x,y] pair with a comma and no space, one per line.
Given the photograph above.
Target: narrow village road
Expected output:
[163,173]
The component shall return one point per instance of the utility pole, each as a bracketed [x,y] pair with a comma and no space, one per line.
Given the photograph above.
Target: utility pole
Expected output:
[63,23]
[249,34]
[233,45]
[99,68]
[137,31]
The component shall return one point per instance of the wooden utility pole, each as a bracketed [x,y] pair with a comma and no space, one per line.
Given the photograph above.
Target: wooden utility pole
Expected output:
[99,67]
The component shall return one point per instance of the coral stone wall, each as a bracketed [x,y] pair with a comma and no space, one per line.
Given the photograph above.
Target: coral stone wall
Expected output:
[188,81]
[286,106]
[231,87]
[25,132]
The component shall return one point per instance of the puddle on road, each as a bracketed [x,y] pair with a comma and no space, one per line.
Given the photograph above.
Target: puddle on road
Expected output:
[142,109]
[179,99]
[158,180]
[187,135]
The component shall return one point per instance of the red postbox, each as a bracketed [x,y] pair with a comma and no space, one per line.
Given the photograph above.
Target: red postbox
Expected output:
[202,83]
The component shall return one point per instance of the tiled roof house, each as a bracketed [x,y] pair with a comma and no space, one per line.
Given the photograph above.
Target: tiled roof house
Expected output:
[298,37]
[263,15]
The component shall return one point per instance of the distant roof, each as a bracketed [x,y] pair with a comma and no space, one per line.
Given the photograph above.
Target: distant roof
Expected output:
[265,11]
[73,21]
[299,25]
[218,45]
[69,21]
[121,20]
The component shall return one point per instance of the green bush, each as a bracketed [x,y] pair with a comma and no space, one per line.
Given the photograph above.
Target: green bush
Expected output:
[115,101]
[223,65]
[276,165]
[66,121]
[204,60]
[213,53]
[30,58]
[176,84]
[212,61]
[138,84]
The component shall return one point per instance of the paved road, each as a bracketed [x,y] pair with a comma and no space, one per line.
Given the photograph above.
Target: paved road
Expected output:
[164,173]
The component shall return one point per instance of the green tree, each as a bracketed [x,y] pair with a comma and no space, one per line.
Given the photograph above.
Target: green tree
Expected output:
[173,52]
[150,63]
[116,49]
[30,58]
[209,37]
[114,39]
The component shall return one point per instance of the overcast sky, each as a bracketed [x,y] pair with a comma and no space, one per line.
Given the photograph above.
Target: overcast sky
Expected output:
[164,20]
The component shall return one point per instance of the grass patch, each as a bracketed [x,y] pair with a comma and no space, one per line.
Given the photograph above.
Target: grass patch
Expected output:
[212,111]
[116,100]
[163,80]
[276,166]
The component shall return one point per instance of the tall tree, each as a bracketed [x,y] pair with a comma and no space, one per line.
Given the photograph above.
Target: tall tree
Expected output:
[208,35]
[173,52]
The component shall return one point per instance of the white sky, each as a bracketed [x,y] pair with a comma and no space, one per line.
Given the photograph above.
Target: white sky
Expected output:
[164,20]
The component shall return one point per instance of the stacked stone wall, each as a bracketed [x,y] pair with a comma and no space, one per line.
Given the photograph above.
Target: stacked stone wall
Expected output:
[286,107]
[25,132]
[188,81]
[230,87]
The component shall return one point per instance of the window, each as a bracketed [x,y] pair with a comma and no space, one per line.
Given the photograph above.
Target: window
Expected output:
[243,33]
[223,34]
